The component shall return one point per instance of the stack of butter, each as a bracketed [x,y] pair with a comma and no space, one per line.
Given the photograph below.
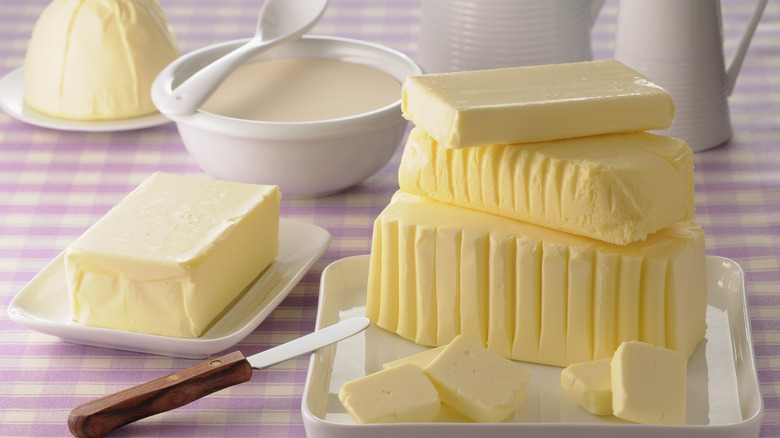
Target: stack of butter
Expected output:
[537,218]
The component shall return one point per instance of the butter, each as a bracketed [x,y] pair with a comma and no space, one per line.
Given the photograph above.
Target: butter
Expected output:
[399,394]
[617,188]
[421,359]
[97,59]
[536,103]
[531,293]
[477,382]
[172,255]
[590,385]
[648,384]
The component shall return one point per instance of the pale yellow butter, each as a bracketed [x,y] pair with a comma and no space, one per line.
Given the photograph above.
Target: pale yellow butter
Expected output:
[97,59]
[618,188]
[171,256]
[477,382]
[531,293]
[648,384]
[421,359]
[399,394]
[536,103]
[590,385]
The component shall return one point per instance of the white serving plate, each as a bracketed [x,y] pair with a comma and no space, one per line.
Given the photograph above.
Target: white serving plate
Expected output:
[12,102]
[43,305]
[723,398]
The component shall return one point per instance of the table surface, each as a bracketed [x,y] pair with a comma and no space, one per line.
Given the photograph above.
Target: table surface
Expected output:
[55,184]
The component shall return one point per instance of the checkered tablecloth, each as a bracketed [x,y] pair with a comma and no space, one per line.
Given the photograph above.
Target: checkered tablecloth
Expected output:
[55,184]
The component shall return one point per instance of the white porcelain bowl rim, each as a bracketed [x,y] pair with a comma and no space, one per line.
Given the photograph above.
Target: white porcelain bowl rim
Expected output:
[383,58]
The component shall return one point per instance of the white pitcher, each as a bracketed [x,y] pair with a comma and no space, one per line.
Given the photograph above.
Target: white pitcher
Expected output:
[460,35]
[679,45]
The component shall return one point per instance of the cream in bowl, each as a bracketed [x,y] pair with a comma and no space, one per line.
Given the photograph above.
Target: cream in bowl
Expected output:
[313,116]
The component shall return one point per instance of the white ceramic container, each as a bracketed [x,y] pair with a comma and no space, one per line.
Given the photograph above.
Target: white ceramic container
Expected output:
[305,159]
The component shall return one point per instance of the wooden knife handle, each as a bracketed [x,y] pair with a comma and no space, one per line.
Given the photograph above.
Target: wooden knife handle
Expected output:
[100,416]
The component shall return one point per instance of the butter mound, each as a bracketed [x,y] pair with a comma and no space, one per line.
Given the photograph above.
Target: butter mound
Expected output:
[536,103]
[172,255]
[618,188]
[531,293]
[97,59]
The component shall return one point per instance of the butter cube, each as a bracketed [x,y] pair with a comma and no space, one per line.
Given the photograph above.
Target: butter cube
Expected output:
[173,255]
[536,103]
[617,188]
[590,385]
[648,384]
[531,293]
[399,394]
[477,382]
[421,359]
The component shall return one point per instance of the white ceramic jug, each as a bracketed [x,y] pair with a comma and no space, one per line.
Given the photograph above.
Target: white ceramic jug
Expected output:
[458,35]
[679,45]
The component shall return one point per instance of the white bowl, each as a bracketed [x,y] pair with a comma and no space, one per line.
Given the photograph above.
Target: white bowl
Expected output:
[303,158]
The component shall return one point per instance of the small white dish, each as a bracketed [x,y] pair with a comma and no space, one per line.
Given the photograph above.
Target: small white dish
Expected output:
[723,396]
[42,305]
[12,102]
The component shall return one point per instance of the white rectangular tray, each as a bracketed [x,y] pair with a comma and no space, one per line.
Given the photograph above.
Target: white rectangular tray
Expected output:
[723,398]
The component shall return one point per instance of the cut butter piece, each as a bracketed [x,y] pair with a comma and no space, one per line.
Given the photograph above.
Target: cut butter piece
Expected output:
[535,103]
[617,188]
[399,394]
[531,293]
[648,384]
[590,385]
[172,255]
[421,359]
[477,382]
[97,59]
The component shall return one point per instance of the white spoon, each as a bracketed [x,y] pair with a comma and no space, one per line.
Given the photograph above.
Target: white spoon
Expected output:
[280,21]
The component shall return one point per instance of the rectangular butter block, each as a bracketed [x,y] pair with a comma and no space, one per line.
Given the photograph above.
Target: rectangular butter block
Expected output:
[648,384]
[172,255]
[536,103]
[399,394]
[590,385]
[532,293]
[477,382]
[617,188]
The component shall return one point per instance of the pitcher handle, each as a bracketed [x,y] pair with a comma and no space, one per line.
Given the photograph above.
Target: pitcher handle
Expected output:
[732,71]
[595,8]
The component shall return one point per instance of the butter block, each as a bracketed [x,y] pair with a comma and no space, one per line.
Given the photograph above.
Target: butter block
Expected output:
[617,188]
[477,382]
[421,359]
[648,384]
[97,59]
[531,293]
[590,385]
[536,103]
[172,255]
[399,394]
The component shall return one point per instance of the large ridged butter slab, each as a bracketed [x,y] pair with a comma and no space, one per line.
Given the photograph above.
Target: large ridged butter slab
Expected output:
[172,255]
[531,293]
[618,188]
[535,103]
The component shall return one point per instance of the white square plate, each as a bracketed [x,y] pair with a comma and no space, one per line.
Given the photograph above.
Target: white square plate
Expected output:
[723,398]
[43,305]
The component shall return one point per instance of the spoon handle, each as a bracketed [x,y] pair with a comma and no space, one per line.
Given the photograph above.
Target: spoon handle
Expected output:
[195,90]
[100,416]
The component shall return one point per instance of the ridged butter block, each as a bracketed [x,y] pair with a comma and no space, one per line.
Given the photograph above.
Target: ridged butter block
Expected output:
[535,103]
[617,188]
[531,293]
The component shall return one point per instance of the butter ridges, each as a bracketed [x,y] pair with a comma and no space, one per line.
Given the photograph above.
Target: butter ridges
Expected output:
[530,293]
